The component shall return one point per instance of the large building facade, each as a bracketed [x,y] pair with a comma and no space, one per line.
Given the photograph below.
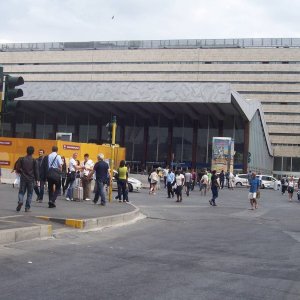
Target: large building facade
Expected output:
[266,70]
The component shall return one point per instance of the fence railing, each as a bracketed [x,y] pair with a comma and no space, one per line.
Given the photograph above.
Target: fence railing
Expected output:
[156,44]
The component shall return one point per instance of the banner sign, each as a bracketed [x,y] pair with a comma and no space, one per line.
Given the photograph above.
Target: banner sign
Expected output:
[5,143]
[71,147]
[222,154]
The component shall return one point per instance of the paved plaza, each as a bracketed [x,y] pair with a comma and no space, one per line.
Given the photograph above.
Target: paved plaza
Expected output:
[186,250]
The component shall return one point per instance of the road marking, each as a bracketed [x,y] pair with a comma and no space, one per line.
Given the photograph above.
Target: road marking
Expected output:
[7,217]
[173,206]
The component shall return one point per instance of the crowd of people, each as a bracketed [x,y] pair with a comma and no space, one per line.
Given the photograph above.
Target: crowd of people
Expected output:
[181,181]
[72,179]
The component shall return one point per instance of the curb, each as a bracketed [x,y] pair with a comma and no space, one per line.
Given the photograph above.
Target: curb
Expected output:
[13,235]
[97,222]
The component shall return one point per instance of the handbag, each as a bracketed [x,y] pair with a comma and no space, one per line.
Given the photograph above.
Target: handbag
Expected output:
[257,194]
[72,176]
[53,173]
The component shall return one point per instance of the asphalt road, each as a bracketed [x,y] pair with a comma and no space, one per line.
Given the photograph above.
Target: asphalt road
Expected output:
[186,250]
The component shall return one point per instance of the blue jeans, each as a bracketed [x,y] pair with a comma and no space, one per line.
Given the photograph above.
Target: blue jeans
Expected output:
[71,189]
[215,193]
[40,190]
[99,192]
[25,186]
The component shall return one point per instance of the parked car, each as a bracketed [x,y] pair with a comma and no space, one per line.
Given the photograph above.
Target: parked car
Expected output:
[241,179]
[269,182]
[134,185]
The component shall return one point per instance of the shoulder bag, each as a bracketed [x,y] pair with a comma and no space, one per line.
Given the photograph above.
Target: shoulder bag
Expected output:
[53,173]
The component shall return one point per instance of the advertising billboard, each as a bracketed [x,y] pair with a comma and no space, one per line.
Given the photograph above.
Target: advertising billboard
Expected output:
[222,154]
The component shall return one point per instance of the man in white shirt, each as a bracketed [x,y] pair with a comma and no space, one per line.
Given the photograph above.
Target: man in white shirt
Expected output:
[165,173]
[54,185]
[87,166]
[73,167]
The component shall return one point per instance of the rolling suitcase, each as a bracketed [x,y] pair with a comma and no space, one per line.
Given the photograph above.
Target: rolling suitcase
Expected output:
[78,193]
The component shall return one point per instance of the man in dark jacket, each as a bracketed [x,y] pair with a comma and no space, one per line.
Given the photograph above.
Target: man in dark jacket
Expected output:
[29,175]
[39,190]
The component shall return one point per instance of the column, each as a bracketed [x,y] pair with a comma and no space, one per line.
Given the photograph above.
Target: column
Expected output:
[246,146]
[195,141]
[145,143]
[170,143]
[221,128]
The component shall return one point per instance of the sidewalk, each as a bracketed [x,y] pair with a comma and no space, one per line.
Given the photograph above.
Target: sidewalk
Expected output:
[41,221]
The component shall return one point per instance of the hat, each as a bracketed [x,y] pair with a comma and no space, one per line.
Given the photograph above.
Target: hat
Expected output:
[100,155]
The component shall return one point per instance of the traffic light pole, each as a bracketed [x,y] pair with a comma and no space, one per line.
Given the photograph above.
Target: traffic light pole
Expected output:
[112,160]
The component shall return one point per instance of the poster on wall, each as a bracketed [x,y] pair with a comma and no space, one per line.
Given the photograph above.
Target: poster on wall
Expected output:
[222,154]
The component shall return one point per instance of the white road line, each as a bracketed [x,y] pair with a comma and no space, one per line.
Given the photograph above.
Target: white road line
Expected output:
[7,217]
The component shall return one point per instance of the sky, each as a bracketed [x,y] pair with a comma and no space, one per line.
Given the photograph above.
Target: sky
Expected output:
[111,20]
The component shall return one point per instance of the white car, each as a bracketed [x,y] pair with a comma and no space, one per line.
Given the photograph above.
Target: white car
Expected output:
[241,179]
[134,185]
[268,182]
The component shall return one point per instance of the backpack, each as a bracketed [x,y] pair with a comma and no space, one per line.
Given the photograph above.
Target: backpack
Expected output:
[282,180]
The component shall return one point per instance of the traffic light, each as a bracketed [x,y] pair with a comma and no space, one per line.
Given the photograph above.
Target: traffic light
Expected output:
[11,93]
[109,132]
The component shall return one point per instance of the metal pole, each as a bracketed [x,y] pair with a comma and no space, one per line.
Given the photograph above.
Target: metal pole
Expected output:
[112,159]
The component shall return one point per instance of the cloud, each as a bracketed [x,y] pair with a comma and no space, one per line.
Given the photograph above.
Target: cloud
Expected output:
[77,20]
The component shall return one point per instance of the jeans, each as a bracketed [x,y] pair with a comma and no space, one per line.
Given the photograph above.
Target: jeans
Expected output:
[40,190]
[170,189]
[53,189]
[122,190]
[25,186]
[215,193]
[100,192]
[188,188]
[70,189]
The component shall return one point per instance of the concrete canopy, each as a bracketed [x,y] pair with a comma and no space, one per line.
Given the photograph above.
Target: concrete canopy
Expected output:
[169,99]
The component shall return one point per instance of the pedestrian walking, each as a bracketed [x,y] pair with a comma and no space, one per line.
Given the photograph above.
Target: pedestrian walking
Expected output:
[253,191]
[154,178]
[52,166]
[291,188]
[200,175]
[214,188]
[231,181]
[209,175]
[39,188]
[170,183]
[101,169]
[222,179]
[187,181]
[165,173]
[86,167]
[63,174]
[194,177]
[179,178]
[227,179]
[204,184]
[28,169]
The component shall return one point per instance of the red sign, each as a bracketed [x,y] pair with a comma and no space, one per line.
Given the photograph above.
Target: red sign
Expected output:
[71,147]
[4,163]
[5,143]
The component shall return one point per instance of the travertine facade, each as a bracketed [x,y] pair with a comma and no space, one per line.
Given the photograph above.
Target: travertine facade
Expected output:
[270,75]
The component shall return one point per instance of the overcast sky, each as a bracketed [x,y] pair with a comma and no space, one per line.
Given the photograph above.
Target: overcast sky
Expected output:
[103,20]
